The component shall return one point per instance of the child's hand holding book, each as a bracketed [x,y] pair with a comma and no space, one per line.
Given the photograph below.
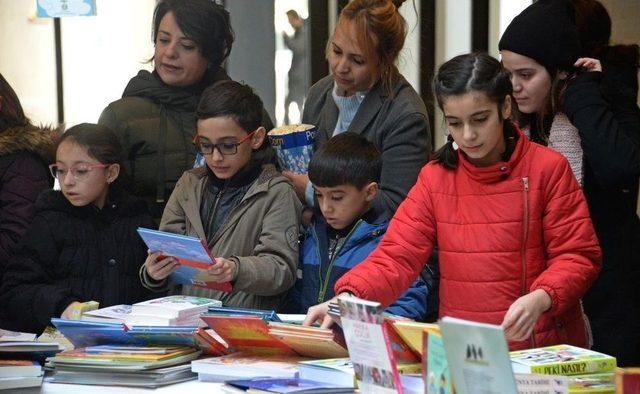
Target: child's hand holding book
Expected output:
[222,271]
[160,266]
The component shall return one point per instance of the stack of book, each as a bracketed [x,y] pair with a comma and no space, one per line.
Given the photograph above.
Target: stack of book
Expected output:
[138,366]
[20,373]
[260,335]
[294,385]
[175,310]
[20,356]
[582,370]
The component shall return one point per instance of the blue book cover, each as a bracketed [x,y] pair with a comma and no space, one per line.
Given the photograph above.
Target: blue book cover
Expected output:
[192,254]
[82,333]
[266,315]
[295,385]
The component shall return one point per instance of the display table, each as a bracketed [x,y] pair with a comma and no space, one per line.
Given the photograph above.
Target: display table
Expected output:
[190,387]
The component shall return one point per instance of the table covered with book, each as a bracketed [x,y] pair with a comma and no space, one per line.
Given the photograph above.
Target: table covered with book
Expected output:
[217,349]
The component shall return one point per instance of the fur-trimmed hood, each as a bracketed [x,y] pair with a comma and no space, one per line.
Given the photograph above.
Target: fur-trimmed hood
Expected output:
[39,140]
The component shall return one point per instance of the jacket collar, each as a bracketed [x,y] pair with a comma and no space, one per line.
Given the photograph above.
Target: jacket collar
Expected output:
[500,170]
[369,227]
[191,195]
[119,203]
[367,111]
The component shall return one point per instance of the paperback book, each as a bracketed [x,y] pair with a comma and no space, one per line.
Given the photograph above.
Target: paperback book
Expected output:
[561,360]
[83,333]
[246,366]
[336,370]
[478,356]
[369,346]
[192,254]
[436,374]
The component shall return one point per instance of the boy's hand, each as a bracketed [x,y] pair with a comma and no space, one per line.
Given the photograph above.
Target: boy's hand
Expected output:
[319,313]
[222,271]
[159,266]
[299,183]
[523,314]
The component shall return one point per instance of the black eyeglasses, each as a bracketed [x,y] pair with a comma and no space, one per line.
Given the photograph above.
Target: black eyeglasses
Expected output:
[225,148]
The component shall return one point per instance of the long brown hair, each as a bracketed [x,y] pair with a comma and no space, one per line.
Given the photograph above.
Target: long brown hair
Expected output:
[11,113]
[381,32]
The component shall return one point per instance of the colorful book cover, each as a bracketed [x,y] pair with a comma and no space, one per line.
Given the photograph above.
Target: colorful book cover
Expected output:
[249,334]
[595,383]
[561,360]
[312,342]
[411,333]
[83,333]
[211,343]
[369,346]
[109,356]
[192,254]
[294,385]
[478,356]
[436,374]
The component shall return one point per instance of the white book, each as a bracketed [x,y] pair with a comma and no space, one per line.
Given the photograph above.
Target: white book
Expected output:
[478,356]
[19,368]
[174,307]
[14,336]
[15,383]
[238,365]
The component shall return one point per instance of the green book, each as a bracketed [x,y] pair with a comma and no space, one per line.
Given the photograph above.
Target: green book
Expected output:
[561,360]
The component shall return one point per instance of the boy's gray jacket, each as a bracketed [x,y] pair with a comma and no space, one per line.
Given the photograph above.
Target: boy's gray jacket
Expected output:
[260,235]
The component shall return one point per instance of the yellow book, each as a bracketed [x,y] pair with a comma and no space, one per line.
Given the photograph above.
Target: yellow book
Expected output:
[411,333]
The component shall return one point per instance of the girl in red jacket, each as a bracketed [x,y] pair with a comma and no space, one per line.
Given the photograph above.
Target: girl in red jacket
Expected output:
[516,243]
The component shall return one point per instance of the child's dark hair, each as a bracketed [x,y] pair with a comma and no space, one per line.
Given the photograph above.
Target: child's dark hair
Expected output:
[346,159]
[101,143]
[232,99]
[473,72]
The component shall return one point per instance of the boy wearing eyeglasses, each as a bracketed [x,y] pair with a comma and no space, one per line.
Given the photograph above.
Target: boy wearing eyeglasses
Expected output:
[246,211]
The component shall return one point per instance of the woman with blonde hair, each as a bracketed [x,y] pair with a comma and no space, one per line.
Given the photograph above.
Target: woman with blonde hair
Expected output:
[366,94]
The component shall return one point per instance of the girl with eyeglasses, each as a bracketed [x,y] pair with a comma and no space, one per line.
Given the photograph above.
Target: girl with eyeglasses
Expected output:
[246,211]
[82,244]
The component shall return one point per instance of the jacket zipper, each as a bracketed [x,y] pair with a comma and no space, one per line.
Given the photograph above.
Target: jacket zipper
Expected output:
[525,236]
[216,202]
[325,283]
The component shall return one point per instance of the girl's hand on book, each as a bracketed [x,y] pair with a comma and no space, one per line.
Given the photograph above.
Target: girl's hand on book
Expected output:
[222,271]
[523,314]
[320,314]
[299,183]
[159,266]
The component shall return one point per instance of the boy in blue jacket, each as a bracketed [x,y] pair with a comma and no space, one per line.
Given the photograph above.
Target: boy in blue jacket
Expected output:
[345,174]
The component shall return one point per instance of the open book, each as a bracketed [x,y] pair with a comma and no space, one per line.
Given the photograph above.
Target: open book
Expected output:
[192,254]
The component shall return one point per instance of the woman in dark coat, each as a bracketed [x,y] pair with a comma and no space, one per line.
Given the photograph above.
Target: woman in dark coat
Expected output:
[82,244]
[155,118]
[586,109]
[25,152]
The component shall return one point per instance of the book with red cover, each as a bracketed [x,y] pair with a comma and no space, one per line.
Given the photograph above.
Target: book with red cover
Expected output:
[249,334]
[192,254]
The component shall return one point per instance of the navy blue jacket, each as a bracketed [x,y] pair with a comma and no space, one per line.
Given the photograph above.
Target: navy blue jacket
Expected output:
[317,274]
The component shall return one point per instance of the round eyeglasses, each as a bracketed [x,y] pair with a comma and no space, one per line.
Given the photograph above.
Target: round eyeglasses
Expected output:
[79,172]
[205,146]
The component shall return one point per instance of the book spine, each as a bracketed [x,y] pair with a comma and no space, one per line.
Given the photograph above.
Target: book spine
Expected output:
[577,367]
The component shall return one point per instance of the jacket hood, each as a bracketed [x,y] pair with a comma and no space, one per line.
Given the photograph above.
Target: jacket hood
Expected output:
[119,203]
[39,140]
[149,85]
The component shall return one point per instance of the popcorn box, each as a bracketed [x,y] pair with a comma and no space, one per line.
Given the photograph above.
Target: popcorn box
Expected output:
[293,145]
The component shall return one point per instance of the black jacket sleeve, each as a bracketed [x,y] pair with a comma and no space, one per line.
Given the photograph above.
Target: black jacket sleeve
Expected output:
[609,127]
[29,293]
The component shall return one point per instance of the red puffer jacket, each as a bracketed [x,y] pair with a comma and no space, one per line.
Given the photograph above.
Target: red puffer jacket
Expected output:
[502,231]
